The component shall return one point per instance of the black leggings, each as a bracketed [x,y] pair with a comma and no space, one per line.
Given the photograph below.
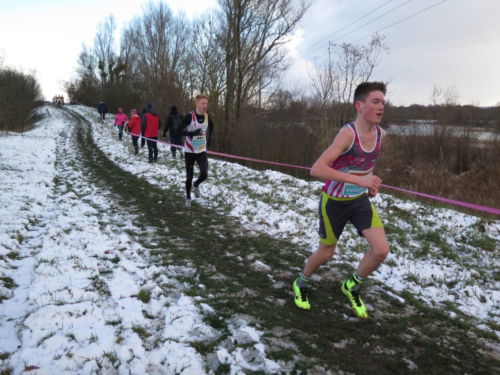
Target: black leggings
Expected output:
[202,161]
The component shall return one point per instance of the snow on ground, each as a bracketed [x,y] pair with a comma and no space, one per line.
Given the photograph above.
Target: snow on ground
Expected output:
[463,274]
[76,307]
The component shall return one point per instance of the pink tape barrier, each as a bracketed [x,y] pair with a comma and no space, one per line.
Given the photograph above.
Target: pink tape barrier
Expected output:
[477,207]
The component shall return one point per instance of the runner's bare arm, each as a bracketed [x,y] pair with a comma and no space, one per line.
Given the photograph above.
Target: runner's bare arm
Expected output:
[373,192]
[321,168]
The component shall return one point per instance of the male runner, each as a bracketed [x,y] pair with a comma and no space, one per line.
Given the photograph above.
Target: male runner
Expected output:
[196,124]
[347,166]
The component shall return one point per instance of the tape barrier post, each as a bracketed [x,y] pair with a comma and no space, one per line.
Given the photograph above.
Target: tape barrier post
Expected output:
[129,141]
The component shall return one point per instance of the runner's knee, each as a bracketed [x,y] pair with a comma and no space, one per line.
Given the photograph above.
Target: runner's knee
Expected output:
[381,251]
[326,251]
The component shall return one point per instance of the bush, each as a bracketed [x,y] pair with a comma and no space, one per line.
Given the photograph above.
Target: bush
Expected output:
[20,93]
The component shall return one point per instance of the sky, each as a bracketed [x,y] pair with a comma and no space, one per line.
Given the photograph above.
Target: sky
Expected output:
[454,43]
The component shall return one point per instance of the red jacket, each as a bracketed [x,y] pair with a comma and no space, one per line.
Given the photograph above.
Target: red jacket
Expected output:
[134,125]
[152,125]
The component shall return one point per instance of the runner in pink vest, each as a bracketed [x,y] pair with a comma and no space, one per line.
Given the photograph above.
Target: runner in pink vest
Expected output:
[347,166]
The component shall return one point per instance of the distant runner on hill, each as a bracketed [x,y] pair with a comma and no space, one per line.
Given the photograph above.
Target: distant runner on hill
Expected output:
[102,109]
[196,123]
[347,166]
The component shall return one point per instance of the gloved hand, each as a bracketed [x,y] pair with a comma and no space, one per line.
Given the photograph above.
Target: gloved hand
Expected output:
[209,141]
[123,123]
[196,133]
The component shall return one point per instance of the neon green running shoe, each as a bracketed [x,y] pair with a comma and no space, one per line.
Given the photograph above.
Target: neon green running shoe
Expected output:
[301,296]
[357,305]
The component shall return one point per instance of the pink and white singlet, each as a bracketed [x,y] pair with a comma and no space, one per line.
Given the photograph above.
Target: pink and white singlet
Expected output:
[198,143]
[355,161]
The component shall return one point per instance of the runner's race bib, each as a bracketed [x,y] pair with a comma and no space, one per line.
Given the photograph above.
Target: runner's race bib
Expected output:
[353,190]
[199,141]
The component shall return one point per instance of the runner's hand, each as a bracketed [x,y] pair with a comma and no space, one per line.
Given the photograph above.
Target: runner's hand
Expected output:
[196,133]
[370,182]
[209,141]
[372,192]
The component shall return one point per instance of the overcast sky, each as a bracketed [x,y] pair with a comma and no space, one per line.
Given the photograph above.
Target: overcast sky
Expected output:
[456,42]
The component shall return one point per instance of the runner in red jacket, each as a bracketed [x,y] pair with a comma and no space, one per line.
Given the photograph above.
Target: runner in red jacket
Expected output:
[150,125]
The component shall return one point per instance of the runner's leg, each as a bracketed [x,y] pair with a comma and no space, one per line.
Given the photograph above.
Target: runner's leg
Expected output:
[379,249]
[189,160]
[202,161]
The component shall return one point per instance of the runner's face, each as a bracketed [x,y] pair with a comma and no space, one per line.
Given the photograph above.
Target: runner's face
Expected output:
[201,106]
[373,107]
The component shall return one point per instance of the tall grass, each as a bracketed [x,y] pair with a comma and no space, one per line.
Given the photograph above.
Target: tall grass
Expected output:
[443,163]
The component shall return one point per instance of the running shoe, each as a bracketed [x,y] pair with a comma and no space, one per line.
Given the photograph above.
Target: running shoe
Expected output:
[301,299]
[188,202]
[357,305]
[196,192]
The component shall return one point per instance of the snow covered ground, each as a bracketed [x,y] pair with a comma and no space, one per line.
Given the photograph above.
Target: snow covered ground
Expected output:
[84,285]
[64,316]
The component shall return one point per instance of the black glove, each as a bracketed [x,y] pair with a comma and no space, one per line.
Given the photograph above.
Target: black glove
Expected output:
[123,123]
[209,141]
[195,133]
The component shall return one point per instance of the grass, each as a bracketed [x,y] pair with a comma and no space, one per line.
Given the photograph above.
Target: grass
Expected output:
[382,341]
[144,295]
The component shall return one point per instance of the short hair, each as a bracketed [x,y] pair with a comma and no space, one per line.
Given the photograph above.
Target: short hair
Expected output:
[200,96]
[364,89]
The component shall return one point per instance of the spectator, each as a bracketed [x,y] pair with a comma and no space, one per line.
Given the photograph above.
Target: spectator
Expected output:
[120,120]
[134,128]
[150,125]
[102,109]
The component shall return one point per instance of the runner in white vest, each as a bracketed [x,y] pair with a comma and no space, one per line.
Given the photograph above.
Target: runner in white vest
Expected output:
[198,128]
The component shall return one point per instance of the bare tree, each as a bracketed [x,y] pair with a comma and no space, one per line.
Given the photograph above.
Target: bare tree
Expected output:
[208,53]
[436,95]
[255,32]
[451,95]
[355,65]
[104,48]
[160,43]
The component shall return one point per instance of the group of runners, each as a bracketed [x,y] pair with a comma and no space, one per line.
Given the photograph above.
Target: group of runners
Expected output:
[57,100]
[196,127]
[347,166]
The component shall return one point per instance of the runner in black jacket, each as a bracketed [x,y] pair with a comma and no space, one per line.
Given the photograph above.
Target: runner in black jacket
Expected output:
[173,117]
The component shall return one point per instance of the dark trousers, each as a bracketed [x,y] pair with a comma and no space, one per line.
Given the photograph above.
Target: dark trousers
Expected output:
[202,161]
[103,115]
[143,141]
[136,144]
[135,140]
[153,148]
[120,131]
[175,141]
